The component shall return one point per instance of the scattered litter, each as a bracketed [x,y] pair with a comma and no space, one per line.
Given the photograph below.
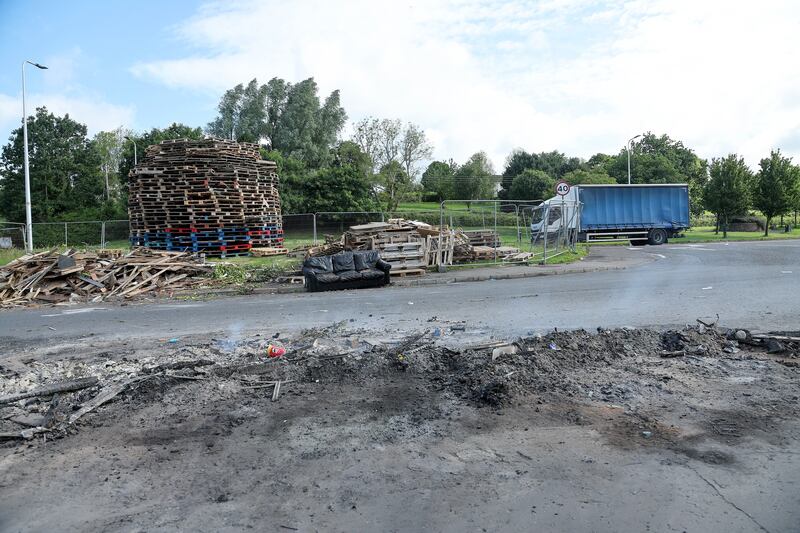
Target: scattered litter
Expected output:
[173,340]
[51,328]
[708,288]
[553,346]
[437,332]
[647,434]
[410,303]
[274,351]
[504,350]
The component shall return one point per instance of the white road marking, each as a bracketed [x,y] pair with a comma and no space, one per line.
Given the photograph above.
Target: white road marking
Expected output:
[78,311]
[786,271]
[707,288]
[662,256]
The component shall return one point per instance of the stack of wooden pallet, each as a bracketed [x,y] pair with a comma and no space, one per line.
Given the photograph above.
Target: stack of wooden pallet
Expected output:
[406,258]
[211,195]
[401,242]
[53,277]
[483,237]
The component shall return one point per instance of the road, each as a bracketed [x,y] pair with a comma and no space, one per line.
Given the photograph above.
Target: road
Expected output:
[750,284]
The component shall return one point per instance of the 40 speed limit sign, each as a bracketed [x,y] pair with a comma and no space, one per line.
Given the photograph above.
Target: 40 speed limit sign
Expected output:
[562,188]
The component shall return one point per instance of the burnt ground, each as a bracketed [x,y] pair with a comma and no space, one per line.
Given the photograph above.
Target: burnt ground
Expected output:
[620,430]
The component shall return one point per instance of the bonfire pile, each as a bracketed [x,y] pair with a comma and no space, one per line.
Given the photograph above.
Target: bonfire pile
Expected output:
[54,277]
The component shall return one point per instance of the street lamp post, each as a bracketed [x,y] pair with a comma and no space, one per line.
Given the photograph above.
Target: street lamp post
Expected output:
[131,139]
[28,220]
[629,155]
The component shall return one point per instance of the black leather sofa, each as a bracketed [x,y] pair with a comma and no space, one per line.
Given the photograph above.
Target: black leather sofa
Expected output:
[345,270]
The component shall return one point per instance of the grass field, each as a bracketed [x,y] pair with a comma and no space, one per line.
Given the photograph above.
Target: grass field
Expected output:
[706,234]
[508,237]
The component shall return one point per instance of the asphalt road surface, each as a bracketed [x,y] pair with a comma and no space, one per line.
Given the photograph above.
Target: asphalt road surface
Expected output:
[749,284]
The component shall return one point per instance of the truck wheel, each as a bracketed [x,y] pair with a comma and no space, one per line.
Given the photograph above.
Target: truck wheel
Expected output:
[657,236]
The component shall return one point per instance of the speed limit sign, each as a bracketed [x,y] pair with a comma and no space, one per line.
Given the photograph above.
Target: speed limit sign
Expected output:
[562,188]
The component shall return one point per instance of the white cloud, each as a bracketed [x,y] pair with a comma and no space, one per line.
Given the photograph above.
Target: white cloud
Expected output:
[574,75]
[95,113]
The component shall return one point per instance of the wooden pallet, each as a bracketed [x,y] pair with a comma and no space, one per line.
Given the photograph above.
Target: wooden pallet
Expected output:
[207,183]
[407,272]
[267,252]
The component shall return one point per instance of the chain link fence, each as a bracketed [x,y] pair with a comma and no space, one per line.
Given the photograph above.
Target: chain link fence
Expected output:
[298,229]
[12,235]
[336,223]
[493,228]
[551,228]
[87,233]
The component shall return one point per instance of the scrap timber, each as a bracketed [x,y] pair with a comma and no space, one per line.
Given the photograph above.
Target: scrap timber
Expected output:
[53,277]
[412,246]
[210,195]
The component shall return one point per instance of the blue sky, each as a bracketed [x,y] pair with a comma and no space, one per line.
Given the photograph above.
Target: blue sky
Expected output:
[89,47]
[580,76]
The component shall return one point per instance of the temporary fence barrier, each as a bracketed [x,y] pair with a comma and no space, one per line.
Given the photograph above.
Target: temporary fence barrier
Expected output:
[337,222]
[552,228]
[12,235]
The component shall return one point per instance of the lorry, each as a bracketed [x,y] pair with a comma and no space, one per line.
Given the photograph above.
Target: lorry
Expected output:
[641,214]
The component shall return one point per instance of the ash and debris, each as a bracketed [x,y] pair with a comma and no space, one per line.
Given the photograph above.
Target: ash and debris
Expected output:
[621,367]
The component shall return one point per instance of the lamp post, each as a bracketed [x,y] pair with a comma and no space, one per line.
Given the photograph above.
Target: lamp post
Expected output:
[629,155]
[28,221]
[131,139]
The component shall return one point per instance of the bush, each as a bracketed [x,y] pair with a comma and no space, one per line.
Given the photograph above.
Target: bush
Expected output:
[761,222]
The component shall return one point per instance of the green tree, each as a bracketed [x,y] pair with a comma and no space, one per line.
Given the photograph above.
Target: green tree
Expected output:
[555,164]
[386,140]
[593,176]
[659,159]
[293,175]
[532,185]
[345,185]
[154,136]
[290,117]
[64,170]
[242,113]
[394,184]
[438,179]
[775,187]
[110,146]
[727,192]
[474,180]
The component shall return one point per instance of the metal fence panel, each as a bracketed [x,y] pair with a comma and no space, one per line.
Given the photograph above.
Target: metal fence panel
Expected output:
[336,223]
[12,235]
[298,229]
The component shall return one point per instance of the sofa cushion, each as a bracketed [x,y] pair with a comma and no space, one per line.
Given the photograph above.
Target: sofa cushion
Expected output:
[349,275]
[319,264]
[366,259]
[342,262]
[327,277]
[371,273]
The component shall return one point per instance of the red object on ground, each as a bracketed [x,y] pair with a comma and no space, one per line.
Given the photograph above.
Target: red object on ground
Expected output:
[275,351]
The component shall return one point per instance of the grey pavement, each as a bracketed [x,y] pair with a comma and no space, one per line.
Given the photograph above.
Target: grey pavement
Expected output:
[749,284]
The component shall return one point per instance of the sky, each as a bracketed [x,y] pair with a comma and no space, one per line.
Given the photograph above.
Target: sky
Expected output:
[578,76]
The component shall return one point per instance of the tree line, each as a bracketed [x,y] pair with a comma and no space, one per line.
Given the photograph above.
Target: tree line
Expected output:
[383,162]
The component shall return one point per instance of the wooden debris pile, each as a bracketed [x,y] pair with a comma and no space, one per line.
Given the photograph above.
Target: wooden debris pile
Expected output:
[413,246]
[210,195]
[72,276]
[483,237]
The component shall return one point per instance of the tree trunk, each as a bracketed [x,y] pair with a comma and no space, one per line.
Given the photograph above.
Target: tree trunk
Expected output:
[725,228]
[766,227]
[108,196]
[716,226]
